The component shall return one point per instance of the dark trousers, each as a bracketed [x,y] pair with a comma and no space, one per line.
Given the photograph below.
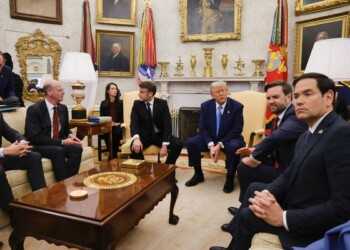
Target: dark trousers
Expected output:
[174,148]
[32,163]
[247,175]
[196,145]
[65,159]
[117,134]
[245,224]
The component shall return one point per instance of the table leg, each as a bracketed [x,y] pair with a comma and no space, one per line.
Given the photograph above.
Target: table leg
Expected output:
[16,239]
[110,144]
[89,140]
[173,219]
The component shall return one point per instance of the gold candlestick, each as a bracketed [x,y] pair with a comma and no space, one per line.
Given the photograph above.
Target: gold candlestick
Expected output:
[193,63]
[224,61]
[208,69]
[239,67]
[164,69]
[179,67]
[258,66]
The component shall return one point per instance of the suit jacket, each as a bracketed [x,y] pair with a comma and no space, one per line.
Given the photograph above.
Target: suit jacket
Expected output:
[161,117]
[7,88]
[8,133]
[231,125]
[105,110]
[38,125]
[118,63]
[282,140]
[315,189]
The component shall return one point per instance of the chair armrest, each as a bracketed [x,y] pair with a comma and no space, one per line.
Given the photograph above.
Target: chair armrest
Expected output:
[259,132]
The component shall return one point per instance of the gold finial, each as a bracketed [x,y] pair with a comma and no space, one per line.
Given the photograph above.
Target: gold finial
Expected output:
[147,3]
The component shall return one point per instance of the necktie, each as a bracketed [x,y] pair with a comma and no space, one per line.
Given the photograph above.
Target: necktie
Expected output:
[218,119]
[275,123]
[307,137]
[150,120]
[55,127]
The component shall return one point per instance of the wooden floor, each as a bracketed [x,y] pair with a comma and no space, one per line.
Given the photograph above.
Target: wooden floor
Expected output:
[202,210]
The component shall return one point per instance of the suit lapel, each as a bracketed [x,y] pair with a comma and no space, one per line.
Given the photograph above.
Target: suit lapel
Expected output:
[305,149]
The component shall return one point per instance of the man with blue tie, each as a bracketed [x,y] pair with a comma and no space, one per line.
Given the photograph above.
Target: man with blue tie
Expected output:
[220,128]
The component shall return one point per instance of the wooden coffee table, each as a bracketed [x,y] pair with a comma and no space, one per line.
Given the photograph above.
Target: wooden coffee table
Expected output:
[97,221]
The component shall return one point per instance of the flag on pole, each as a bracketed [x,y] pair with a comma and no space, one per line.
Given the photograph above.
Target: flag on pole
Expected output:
[147,57]
[87,46]
[86,40]
[276,67]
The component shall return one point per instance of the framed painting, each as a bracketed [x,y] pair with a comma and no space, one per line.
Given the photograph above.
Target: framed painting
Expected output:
[115,53]
[309,31]
[308,6]
[43,11]
[121,12]
[210,20]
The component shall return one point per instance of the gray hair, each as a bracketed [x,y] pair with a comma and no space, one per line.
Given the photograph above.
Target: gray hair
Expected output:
[217,84]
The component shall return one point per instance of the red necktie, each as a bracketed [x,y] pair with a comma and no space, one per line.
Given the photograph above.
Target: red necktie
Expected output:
[274,127]
[275,123]
[55,128]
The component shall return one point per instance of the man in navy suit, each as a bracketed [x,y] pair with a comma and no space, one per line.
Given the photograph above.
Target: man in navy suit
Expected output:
[313,194]
[215,137]
[150,124]
[39,129]
[272,156]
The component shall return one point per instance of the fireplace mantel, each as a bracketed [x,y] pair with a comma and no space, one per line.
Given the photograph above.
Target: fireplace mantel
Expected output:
[191,91]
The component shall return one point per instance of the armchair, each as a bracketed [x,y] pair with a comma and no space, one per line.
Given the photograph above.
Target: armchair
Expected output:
[128,101]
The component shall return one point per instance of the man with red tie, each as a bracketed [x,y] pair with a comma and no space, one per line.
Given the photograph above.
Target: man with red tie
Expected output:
[47,128]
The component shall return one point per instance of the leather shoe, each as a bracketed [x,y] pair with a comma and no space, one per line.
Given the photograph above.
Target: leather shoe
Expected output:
[228,187]
[195,180]
[233,210]
[224,228]
[217,248]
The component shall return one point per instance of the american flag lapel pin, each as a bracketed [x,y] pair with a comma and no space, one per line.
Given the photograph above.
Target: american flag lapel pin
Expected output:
[320,131]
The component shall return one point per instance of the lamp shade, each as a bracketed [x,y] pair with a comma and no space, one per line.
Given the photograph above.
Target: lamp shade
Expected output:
[331,57]
[77,66]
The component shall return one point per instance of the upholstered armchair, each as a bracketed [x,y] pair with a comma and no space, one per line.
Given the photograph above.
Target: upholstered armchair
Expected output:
[128,101]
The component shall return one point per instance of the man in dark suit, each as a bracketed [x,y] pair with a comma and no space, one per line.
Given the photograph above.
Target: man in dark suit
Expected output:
[40,130]
[217,136]
[117,61]
[151,125]
[271,157]
[18,155]
[117,9]
[313,194]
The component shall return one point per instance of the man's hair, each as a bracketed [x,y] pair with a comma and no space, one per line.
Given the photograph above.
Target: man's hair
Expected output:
[150,86]
[217,84]
[324,84]
[286,88]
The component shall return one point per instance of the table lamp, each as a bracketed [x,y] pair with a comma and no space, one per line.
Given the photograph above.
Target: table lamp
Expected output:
[331,57]
[77,68]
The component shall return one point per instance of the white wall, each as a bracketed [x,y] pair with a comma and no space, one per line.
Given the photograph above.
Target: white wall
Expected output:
[257,18]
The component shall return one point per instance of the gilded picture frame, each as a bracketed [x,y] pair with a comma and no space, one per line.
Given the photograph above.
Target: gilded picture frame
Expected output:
[309,6]
[115,53]
[210,20]
[122,12]
[43,11]
[333,26]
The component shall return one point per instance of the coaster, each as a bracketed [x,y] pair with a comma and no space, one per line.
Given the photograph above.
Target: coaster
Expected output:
[110,180]
[78,194]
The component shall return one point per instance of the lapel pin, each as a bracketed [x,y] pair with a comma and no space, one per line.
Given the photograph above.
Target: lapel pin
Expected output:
[321,131]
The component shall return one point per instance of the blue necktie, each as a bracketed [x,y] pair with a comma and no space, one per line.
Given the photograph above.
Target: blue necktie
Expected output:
[218,119]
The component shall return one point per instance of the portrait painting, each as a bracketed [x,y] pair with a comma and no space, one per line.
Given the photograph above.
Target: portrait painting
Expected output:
[115,53]
[307,32]
[309,6]
[210,20]
[122,12]
[45,11]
